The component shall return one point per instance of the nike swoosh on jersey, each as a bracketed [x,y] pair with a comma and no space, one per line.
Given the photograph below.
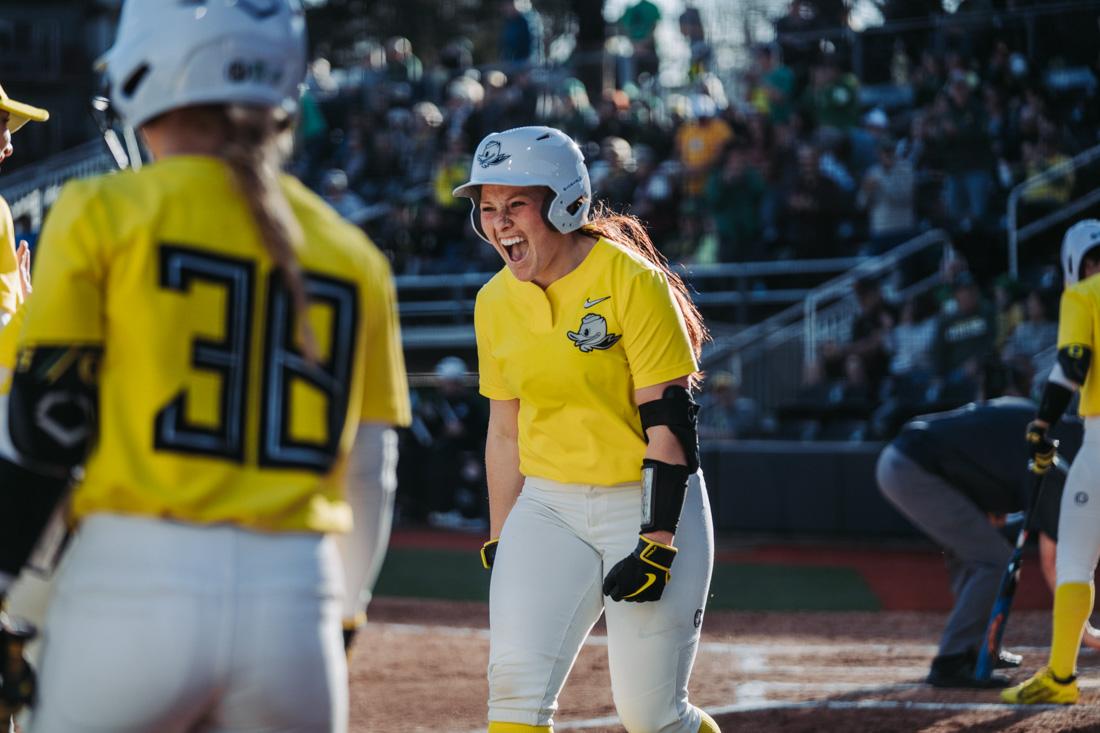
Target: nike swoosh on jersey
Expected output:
[650,579]
[588,302]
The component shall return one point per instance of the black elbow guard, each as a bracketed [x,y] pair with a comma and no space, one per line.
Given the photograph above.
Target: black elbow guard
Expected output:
[663,488]
[1074,360]
[53,407]
[677,411]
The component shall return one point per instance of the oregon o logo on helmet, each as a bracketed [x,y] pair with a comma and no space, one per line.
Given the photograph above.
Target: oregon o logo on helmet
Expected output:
[1081,498]
[491,155]
[242,71]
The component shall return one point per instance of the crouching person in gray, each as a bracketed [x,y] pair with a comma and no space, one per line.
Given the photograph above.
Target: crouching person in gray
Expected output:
[952,476]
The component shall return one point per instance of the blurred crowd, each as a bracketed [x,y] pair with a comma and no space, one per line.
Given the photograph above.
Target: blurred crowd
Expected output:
[934,351]
[796,158]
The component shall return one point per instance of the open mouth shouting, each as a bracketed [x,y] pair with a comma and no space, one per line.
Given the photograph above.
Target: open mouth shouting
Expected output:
[515,248]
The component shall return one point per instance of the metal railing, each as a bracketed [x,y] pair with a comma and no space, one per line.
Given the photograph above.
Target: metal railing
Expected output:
[770,357]
[738,285]
[1060,171]
[33,189]
[828,311]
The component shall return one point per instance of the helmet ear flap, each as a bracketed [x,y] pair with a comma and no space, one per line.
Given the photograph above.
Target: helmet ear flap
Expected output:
[548,201]
[475,215]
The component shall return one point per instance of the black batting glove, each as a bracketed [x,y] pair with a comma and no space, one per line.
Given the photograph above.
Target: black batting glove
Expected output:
[351,630]
[489,553]
[17,681]
[1040,448]
[642,575]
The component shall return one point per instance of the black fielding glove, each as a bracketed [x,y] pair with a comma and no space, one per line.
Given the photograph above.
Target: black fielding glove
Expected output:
[642,575]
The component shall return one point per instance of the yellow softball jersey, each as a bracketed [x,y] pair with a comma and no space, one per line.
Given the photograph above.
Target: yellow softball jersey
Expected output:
[574,354]
[1079,323]
[11,294]
[9,334]
[208,412]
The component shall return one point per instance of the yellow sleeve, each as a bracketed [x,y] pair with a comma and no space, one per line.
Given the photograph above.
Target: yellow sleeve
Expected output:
[386,391]
[654,335]
[9,335]
[11,295]
[69,272]
[1075,320]
[490,377]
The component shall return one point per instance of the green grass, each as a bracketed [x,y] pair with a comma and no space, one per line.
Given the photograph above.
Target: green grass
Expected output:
[458,576]
[789,588]
[446,574]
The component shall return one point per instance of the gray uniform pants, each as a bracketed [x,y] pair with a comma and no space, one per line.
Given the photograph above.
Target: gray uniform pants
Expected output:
[976,553]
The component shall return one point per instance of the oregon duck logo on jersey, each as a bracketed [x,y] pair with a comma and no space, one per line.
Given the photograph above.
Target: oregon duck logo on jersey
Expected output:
[592,334]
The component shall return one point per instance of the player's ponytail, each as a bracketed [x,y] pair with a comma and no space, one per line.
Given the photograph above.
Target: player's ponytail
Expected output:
[253,149]
[629,232]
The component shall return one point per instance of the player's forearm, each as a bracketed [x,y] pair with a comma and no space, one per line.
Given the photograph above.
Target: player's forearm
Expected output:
[372,480]
[503,478]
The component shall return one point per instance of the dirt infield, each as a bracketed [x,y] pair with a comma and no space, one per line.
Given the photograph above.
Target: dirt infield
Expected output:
[420,666]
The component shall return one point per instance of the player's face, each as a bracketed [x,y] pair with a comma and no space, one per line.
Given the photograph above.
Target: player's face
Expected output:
[511,217]
[5,137]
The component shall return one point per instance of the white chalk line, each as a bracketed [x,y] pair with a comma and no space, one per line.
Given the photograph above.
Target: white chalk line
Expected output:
[749,707]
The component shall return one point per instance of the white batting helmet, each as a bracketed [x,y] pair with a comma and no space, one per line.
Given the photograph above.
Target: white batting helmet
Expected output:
[533,156]
[171,54]
[1079,239]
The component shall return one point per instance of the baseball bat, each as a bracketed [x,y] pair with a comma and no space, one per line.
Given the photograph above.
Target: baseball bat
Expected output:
[990,648]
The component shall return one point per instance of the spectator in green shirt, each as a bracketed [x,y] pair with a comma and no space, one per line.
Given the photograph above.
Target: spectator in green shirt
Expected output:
[639,22]
[733,196]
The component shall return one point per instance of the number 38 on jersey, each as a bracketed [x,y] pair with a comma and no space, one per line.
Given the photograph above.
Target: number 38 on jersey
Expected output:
[251,393]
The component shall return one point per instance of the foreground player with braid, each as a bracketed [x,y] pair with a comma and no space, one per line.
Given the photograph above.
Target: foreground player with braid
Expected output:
[1079,522]
[219,351]
[587,347]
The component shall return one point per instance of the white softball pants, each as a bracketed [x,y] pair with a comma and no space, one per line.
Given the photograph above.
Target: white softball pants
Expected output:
[558,543]
[164,627]
[1079,521]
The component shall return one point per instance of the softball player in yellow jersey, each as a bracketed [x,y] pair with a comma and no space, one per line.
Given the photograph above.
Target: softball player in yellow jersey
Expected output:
[13,115]
[1079,522]
[587,344]
[215,347]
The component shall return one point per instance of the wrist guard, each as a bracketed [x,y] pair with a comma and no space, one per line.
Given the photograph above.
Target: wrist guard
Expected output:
[29,499]
[1055,400]
[663,489]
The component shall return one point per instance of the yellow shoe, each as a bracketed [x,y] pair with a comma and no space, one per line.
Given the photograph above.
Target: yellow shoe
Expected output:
[1043,688]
